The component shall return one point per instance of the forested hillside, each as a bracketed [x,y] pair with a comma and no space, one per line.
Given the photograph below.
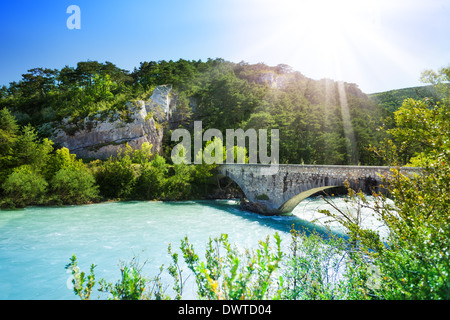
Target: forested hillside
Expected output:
[320,122]
[393,99]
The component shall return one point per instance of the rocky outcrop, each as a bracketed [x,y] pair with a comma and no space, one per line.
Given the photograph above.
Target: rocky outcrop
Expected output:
[257,207]
[273,80]
[100,136]
[160,103]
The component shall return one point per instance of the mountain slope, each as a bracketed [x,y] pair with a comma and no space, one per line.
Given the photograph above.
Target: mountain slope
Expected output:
[393,99]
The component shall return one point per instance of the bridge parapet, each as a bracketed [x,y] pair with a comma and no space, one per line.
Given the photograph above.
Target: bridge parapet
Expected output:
[281,192]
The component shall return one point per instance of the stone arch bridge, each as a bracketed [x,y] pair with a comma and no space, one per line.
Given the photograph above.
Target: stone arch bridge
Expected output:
[280,192]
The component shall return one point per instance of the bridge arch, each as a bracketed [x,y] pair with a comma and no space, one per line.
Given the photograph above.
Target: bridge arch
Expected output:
[290,204]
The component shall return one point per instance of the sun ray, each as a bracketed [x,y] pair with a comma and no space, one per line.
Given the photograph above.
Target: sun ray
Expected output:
[352,151]
[340,40]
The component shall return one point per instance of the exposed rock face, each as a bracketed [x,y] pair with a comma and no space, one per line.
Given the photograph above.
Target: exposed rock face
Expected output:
[270,78]
[273,80]
[100,138]
[160,103]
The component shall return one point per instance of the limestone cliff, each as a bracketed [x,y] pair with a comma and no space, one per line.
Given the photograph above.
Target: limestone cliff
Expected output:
[272,79]
[100,136]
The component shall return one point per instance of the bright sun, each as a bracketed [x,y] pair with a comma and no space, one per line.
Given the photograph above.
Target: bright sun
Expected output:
[324,36]
[331,29]
[348,40]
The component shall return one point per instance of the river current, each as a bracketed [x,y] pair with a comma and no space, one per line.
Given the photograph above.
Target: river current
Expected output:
[36,243]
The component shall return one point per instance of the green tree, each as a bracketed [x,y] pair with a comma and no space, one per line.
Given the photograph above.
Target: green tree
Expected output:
[28,150]
[178,185]
[151,183]
[8,135]
[24,187]
[440,80]
[116,177]
[38,81]
[421,131]
[144,154]
[226,101]
[74,186]
[61,159]
[101,87]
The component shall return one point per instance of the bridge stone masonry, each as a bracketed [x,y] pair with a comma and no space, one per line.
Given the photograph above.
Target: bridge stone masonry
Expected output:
[281,192]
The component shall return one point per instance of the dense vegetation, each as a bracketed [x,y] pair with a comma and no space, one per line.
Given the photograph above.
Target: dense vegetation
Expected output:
[33,172]
[391,100]
[323,122]
[412,262]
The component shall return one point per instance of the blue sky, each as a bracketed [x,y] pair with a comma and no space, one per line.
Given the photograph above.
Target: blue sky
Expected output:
[379,45]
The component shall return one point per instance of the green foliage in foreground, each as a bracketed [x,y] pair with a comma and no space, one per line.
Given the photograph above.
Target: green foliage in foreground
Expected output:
[313,268]
[415,262]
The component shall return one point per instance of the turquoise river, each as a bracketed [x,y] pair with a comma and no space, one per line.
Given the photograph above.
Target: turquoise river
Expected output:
[36,243]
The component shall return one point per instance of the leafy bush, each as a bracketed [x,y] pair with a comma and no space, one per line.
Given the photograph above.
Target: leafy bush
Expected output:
[416,263]
[79,278]
[132,285]
[313,268]
[24,187]
[150,184]
[262,197]
[318,269]
[116,178]
[414,260]
[74,186]
[233,275]
[178,185]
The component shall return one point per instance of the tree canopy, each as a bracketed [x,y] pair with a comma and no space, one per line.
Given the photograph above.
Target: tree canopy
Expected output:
[320,121]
